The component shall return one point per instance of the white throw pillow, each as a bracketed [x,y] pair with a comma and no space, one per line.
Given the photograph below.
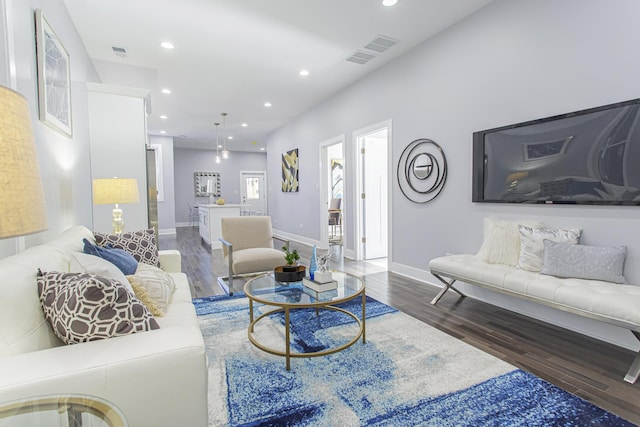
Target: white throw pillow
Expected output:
[91,264]
[501,241]
[532,244]
[153,287]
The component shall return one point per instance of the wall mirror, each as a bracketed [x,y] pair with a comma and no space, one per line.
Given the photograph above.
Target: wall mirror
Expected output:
[207,184]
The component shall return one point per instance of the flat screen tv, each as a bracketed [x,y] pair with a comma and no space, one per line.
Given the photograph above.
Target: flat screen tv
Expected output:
[585,157]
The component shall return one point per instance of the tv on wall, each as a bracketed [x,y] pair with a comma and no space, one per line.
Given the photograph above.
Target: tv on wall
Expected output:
[585,157]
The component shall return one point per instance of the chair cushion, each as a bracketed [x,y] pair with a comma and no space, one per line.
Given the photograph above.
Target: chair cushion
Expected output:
[254,260]
[247,232]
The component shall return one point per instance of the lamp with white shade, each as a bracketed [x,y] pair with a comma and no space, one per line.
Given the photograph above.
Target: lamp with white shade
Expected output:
[108,191]
[22,207]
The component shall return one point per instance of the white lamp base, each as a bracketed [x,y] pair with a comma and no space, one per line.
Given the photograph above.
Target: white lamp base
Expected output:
[118,222]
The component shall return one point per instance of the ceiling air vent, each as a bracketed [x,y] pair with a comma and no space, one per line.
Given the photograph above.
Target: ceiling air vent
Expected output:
[119,51]
[381,43]
[360,57]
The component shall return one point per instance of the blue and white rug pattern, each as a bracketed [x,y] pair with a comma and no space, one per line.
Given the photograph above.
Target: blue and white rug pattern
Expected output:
[407,373]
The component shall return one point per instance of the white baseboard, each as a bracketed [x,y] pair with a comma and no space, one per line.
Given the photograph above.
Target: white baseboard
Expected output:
[297,238]
[167,231]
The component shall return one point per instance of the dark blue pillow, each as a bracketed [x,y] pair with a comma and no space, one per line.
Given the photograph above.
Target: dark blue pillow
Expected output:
[121,259]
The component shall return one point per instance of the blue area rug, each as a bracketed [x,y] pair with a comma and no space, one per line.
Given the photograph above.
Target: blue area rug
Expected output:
[406,374]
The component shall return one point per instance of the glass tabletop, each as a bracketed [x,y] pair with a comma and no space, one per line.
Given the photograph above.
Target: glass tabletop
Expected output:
[268,290]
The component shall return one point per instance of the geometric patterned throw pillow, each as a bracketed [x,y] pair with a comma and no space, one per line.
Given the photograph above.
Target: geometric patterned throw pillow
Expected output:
[82,307]
[141,244]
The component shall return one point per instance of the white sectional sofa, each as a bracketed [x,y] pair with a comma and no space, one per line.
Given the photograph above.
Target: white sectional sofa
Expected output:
[154,378]
[614,303]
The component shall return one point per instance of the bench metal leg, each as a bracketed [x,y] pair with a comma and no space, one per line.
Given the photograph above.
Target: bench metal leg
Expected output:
[447,285]
[634,371]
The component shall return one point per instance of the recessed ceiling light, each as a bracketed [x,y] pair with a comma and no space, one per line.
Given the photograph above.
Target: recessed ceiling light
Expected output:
[261,148]
[304,73]
[167,91]
[244,125]
[167,45]
[163,131]
[267,104]
[163,117]
[389,2]
[219,145]
[229,137]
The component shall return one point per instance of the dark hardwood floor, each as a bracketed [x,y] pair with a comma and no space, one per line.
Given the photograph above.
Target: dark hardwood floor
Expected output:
[588,368]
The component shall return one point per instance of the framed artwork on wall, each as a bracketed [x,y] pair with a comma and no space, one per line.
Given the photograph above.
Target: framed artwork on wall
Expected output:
[290,171]
[54,82]
[337,179]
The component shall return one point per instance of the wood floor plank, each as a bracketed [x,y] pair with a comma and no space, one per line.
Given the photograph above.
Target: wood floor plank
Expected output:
[584,366]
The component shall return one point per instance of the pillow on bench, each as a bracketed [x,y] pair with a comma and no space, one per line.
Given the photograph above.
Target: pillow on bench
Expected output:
[532,244]
[584,262]
[501,241]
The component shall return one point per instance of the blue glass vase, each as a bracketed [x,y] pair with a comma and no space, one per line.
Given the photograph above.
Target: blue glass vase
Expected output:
[313,266]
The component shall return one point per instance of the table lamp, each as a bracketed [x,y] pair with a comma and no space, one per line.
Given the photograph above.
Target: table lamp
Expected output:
[22,207]
[107,191]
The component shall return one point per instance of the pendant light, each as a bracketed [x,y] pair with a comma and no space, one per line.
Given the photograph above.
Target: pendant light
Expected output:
[225,153]
[217,144]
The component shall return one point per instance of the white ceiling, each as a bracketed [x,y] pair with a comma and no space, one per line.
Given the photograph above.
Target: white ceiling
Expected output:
[234,55]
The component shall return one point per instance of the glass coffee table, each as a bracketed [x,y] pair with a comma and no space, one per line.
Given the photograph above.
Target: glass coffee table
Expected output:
[293,296]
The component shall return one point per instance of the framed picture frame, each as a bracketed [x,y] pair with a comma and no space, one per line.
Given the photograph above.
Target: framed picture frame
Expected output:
[54,81]
[290,183]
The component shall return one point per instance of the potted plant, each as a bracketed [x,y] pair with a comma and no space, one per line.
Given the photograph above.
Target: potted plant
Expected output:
[292,272]
[292,258]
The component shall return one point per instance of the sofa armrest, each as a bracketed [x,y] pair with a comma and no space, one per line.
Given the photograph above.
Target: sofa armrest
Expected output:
[170,260]
[155,378]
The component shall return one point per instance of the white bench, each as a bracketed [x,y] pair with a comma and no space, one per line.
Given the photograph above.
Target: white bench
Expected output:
[608,302]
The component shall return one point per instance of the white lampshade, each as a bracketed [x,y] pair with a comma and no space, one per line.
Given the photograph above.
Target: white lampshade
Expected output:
[22,207]
[109,191]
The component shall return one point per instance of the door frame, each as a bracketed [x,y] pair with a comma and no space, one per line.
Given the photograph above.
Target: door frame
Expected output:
[324,189]
[266,186]
[359,221]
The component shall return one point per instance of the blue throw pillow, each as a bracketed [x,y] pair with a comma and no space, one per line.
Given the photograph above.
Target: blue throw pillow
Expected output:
[118,257]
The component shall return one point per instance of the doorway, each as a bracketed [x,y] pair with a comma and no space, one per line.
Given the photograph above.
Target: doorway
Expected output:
[332,193]
[253,194]
[373,174]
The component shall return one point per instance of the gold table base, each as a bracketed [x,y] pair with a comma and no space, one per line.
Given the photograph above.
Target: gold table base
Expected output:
[288,354]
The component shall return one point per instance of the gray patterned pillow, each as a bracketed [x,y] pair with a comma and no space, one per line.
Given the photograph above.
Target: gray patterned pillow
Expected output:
[584,262]
[81,307]
[532,245]
[141,244]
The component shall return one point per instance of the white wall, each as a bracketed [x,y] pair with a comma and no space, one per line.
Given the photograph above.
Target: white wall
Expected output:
[118,132]
[64,162]
[512,61]
[187,161]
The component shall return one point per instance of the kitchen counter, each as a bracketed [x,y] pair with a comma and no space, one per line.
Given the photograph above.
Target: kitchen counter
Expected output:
[209,225]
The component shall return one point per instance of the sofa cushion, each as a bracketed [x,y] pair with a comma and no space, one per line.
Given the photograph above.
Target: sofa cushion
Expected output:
[256,259]
[584,262]
[82,307]
[532,244]
[119,257]
[19,300]
[141,244]
[86,263]
[153,287]
[501,241]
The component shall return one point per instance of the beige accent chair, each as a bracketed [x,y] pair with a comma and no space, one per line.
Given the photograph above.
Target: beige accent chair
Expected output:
[247,244]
